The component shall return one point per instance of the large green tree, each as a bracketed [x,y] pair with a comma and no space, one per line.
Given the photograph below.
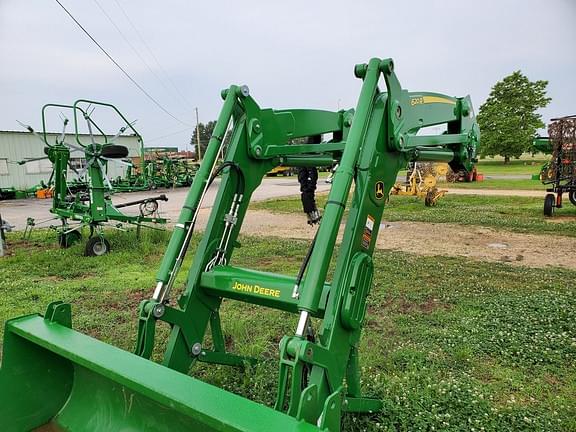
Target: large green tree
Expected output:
[206,131]
[509,118]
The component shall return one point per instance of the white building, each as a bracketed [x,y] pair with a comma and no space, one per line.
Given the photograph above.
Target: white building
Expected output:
[17,146]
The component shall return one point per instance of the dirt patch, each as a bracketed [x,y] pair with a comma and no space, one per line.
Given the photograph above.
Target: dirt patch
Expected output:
[129,300]
[477,242]
[561,219]
[436,239]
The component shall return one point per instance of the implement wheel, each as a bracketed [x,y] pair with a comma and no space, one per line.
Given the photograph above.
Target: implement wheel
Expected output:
[430,198]
[549,202]
[572,197]
[65,240]
[97,246]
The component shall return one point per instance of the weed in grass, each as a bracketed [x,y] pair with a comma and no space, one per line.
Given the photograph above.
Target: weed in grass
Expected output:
[521,330]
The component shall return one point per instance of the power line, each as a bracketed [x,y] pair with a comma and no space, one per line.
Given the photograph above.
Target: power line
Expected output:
[120,67]
[178,92]
[170,134]
[136,51]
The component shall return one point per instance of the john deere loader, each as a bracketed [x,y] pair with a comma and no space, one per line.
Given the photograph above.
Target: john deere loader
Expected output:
[55,378]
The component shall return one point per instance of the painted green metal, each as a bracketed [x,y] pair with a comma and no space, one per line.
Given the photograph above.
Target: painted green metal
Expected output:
[542,144]
[319,373]
[256,287]
[53,374]
[161,167]
[91,207]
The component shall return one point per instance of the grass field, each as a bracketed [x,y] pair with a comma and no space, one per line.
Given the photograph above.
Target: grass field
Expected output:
[519,214]
[526,165]
[450,344]
[500,183]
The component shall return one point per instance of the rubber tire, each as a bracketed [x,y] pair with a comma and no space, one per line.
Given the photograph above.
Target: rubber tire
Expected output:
[549,202]
[97,246]
[572,197]
[67,240]
[114,151]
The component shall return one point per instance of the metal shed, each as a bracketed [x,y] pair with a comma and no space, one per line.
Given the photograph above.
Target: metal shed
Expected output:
[16,146]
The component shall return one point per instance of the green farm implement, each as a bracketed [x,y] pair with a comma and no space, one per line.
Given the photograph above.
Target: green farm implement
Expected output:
[159,168]
[85,202]
[54,375]
[168,171]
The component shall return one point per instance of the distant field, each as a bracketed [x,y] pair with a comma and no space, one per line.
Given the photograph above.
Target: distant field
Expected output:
[516,167]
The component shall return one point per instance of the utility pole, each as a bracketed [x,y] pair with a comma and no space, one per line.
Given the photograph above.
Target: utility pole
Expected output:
[198,150]
[2,239]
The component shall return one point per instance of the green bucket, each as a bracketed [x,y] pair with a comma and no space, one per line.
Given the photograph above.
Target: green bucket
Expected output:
[53,378]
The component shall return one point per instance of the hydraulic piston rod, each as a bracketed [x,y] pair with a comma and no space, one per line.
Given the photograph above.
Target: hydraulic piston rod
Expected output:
[180,239]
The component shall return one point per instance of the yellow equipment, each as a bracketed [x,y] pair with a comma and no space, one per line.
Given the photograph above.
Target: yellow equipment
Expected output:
[280,170]
[421,182]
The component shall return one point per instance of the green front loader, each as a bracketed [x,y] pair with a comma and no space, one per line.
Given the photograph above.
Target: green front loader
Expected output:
[52,375]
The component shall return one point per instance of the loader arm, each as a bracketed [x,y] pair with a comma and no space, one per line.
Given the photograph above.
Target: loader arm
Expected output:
[319,377]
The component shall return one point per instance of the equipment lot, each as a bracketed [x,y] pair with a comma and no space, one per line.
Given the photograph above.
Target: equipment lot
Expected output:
[16,211]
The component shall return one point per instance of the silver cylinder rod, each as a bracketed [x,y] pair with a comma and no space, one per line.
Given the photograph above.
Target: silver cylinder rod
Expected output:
[302,323]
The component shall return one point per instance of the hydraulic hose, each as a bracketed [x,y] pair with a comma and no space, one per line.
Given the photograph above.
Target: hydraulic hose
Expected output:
[303,267]
[240,186]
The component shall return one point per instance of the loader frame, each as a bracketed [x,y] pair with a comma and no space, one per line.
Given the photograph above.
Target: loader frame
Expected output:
[370,144]
[319,372]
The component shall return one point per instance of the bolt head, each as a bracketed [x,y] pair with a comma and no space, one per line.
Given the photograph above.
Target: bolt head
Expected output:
[158,310]
[196,349]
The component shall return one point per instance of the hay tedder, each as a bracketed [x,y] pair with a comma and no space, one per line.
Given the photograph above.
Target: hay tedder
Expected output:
[559,174]
[89,205]
[421,181]
[52,375]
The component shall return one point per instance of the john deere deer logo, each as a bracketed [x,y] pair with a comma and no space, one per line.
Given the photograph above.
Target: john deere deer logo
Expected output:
[379,190]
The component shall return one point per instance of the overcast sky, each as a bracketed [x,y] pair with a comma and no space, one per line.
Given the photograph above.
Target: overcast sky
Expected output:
[291,54]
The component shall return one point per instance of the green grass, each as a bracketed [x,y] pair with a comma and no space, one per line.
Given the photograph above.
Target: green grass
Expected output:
[519,214]
[512,184]
[450,344]
[526,165]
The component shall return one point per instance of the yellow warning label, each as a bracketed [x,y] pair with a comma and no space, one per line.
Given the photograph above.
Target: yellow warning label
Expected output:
[255,289]
[367,234]
[431,99]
